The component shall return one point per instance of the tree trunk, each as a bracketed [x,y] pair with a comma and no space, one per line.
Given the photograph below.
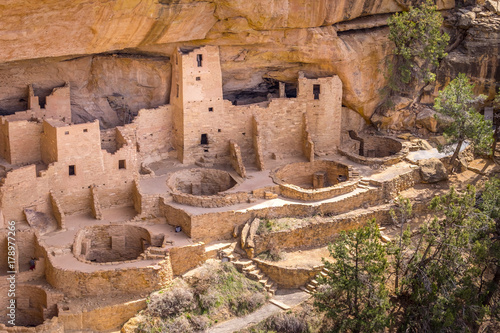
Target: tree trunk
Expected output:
[494,145]
[455,155]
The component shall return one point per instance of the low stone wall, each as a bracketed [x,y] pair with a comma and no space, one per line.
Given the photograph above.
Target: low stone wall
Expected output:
[99,319]
[209,227]
[304,194]
[400,183]
[49,326]
[318,234]
[146,205]
[236,159]
[400,150]
[186,258]
[287,277]
[211,201]
[293,178]
[101,282]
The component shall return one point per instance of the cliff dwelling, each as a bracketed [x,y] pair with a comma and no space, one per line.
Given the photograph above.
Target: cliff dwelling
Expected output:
[105,214]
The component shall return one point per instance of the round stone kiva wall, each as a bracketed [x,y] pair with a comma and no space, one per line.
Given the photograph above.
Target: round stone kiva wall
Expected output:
[310,175]
[375,150]
[313,181]
[111,243]
[200,181]
[380,146]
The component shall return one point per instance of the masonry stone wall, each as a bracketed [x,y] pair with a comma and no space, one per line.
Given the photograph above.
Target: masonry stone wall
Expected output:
[301,174]
[49,326]
[108,140]
[287,277]
[21,141]
[219,225]
[110,243]
[75,283]
[236,159]
[318,233]
[187,257]
[257,144]
[323,114]
[76,162]
[153,131]
[100,319]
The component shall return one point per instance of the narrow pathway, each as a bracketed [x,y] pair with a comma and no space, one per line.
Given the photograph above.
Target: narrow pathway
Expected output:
[291,297]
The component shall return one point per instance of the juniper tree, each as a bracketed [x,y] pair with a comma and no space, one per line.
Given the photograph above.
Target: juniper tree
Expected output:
[457,102]
[354,294]
[444,283]
[419,44]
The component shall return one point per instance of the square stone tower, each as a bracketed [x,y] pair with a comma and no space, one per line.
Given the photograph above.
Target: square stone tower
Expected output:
[196,99]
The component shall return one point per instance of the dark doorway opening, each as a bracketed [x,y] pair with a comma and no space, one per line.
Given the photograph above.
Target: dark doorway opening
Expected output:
[72,170]
[204,139]
[316,91]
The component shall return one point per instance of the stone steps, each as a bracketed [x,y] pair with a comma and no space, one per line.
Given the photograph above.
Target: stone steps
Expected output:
[251,271]
[310,287]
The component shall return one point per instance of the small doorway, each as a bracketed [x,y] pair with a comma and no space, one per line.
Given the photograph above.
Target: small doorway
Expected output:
[204,139]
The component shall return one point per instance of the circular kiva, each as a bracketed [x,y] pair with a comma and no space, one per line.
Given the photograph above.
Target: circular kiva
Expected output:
[374,150]
[311,181]
[111,243]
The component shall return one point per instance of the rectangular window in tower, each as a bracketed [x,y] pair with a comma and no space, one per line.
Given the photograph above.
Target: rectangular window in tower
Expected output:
[204,139]
[316,91]
[72,170]
[199,60]
[121,164]
[177,91]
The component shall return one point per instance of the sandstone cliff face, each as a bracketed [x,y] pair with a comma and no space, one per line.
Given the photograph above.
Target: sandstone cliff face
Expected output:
[258,39]
[479,54]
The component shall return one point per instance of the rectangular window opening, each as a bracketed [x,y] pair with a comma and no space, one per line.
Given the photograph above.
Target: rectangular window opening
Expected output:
[66,133]
[219,130]
[210,109]
[85,130]
[204,139]
[177,90]
[198,78]
[199,60]
[121,164]
[72,170]
[316,91]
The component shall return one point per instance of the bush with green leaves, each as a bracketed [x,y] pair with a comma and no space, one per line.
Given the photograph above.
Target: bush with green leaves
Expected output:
[444,281]
[458,103]
[419,44]
[354,293]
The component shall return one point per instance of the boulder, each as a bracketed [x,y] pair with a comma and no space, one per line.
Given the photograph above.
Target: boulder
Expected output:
[465,20]
[432,170]
[426,118]
[493,6]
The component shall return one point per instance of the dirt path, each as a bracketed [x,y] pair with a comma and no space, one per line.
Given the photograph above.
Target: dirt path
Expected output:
[290,297]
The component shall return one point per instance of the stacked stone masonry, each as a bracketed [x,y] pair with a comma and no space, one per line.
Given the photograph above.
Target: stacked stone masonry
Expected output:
[112,198]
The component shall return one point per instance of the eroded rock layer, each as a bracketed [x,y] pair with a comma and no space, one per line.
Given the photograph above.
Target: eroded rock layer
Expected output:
[259,40]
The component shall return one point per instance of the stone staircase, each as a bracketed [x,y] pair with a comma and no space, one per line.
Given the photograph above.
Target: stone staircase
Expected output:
[247,267]
[364,183]
[154,252]
[311,286]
